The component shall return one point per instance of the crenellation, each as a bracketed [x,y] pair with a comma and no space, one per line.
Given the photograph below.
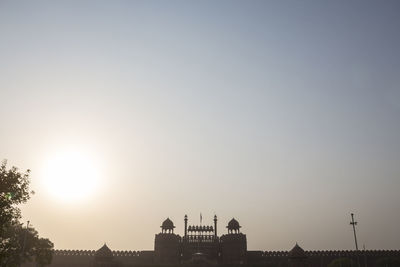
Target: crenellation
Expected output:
[201,245]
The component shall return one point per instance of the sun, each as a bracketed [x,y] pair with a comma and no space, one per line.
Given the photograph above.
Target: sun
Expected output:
[71,176]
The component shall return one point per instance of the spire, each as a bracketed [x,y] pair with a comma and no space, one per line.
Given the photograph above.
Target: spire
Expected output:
[215,225]
[186,220]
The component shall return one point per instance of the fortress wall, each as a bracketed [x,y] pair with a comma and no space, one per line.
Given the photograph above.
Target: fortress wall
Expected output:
[318,258]
[84,258]
[67,261]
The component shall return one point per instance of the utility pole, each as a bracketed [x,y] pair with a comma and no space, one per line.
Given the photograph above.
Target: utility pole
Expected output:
[353,223]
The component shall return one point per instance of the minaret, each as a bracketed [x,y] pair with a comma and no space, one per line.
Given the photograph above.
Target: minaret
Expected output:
[215,225]
[186,219]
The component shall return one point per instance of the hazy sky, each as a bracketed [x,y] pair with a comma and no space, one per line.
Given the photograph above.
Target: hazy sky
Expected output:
[282,114]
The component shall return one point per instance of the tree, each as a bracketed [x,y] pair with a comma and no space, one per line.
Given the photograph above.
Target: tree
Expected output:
[18,244]
[14,190]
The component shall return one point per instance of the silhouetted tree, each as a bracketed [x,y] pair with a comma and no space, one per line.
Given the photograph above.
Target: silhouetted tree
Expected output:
[18,244]
[342,262]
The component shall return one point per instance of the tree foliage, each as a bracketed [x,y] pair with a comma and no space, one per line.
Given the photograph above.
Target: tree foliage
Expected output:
[18,244]
[14,190]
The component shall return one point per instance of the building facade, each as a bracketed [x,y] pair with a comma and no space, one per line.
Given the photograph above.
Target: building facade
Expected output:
[201,245]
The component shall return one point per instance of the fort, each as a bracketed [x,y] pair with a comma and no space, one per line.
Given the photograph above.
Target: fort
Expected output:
[201,245]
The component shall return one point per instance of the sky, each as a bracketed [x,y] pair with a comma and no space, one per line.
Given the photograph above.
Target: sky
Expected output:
[282,114]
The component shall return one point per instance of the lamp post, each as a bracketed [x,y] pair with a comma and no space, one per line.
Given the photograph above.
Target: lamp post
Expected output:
[353,223]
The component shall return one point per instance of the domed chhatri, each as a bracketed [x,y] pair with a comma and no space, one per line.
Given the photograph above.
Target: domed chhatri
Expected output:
[104,252]
[297,253]
[167,226]
[233,226]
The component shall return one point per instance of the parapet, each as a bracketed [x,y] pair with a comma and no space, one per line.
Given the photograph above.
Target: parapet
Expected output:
[90,253]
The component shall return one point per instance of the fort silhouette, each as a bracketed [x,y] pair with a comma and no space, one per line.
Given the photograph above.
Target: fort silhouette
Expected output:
[201,246]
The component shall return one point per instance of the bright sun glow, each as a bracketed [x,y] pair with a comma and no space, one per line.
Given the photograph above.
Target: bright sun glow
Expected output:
[71,176]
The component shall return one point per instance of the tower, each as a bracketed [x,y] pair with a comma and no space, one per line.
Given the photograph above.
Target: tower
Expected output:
[167,244]
[234,244]
[215,226]
[186,220]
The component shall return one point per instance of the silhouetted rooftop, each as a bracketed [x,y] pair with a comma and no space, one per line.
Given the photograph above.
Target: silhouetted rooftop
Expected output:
[233,225]
[167,225]
[297,252]
[104,252]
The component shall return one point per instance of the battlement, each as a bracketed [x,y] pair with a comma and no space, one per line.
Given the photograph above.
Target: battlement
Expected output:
[201,243]
[351,253]
[336,253]
[90,253]
[309,253]
[275,253]
[315,258]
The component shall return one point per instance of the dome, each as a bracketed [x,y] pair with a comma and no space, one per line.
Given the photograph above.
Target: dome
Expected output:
[103,252]
[297,252]
[233,225]
[167,225]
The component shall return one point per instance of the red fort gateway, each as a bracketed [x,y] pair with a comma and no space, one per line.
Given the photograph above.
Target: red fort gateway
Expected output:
[201,245]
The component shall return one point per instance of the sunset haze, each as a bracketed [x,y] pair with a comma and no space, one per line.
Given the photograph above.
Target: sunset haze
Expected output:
[282,114]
